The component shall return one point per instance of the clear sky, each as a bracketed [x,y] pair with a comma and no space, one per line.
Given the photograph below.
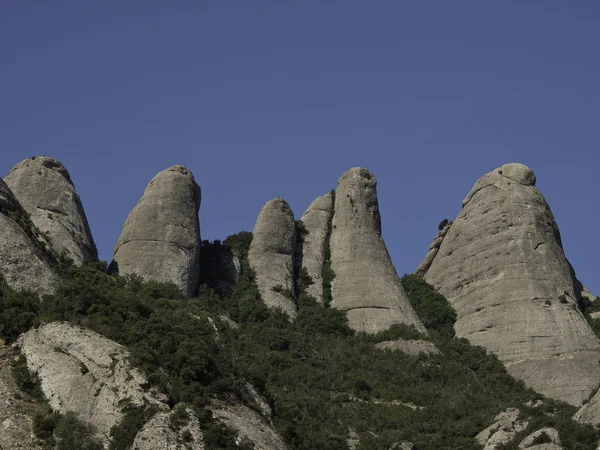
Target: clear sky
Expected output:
[269,98]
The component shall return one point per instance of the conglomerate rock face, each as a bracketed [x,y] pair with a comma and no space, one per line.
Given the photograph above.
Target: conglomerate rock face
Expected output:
[45,190]
[25,262]
[502,267]
[83,372]
[316,221]
[366,284]
[161,236]
[271,255]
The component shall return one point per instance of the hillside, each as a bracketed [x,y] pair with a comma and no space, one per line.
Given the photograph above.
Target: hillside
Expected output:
[299,335]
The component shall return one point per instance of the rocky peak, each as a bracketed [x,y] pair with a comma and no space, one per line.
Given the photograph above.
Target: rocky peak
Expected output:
[316,220]
[45,189]
[160,239]
[271,255]
[502,267]
[25,259]
[366,284]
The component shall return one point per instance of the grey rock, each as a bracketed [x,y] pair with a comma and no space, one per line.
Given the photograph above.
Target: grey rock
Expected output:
[83,372]
[316,221]
[503,269]
[271,255]
[366,284]
[159,434]
[595,315]
[161,236]
[410,347]
[248,424]
[551,435]
[45,190]
[16,424]
[25,258]
[432,252]
[504,429]
[590,412]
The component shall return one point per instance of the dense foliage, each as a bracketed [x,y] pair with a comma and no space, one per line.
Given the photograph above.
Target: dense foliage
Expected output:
[322,380]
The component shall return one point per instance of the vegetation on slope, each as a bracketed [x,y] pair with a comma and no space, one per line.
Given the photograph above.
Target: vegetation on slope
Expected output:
[321,379]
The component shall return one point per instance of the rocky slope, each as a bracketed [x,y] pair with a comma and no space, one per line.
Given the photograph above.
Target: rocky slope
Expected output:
[25,257]
[366,284]
[16,424]
[316,221]
[45,190]
[271,255]
[161,236]
[502,267]
[83,372]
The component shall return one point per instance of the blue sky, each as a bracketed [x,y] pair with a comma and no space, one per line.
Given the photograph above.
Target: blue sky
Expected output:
[267,98]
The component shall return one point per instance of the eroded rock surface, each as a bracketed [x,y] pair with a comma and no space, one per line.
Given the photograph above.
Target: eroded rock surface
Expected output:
[16,424]
[271,255]
[83,372]
[366,284]
[503,269]
[316,221]
[410,347]
[504,429]
[546,434]
[432,252]
[25,262]
[248,424]
[161,236]
[159,433]
[45,190]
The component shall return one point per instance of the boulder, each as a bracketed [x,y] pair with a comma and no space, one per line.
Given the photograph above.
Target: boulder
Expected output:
[548,435]
[316,220]
[503,269]
[83,372]
[159,433]
[26,261]
[45,190]
[366,284]
[410,347]
[271,255]
[505,428]
[161,236]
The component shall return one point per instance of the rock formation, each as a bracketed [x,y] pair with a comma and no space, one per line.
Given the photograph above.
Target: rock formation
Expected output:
[434,248]
[86,373]
[26,261]
[16,424]
[159,433]
[546,434]
[316,221]
[161,236]
[45,190]
[366,284]
[505,428]
[248,424]
[502,267]
[271,255]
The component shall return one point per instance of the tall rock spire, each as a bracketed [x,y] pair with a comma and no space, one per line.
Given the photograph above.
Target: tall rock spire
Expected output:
[271,255]
[44,188]
[161,236]
[316,221]
[366,284]
[502,267]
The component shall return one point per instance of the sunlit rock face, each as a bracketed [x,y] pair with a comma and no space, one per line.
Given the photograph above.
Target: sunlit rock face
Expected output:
[502,267]
[366,284]
[161,236]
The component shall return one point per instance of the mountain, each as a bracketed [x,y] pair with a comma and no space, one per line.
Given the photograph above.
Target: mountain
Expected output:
[299,335]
